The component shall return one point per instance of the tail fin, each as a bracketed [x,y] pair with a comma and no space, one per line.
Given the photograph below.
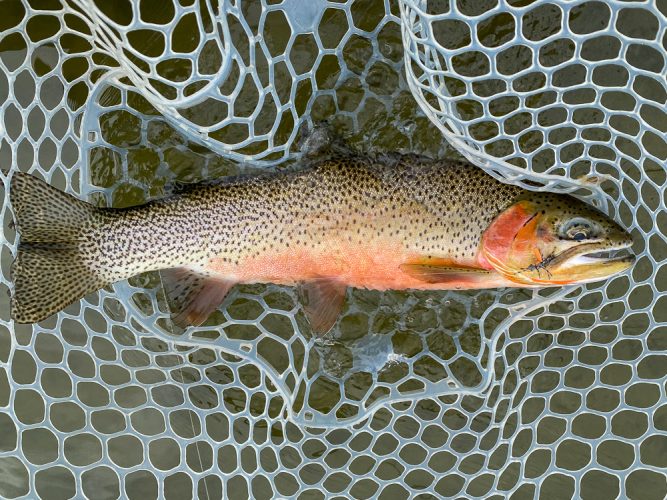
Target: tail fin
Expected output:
[49,272]
[45,214]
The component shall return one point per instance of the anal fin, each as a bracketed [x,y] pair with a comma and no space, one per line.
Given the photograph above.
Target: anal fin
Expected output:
[192,296]
[322,302]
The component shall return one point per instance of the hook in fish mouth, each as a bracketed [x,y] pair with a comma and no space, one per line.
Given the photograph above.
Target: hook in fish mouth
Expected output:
[584,263]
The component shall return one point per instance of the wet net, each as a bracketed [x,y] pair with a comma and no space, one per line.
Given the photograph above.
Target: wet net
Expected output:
[559,393]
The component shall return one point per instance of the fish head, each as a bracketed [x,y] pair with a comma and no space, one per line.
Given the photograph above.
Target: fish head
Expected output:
[551,239]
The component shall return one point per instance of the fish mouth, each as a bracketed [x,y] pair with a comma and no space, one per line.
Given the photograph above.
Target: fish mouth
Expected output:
[605,256]
[584,263]
[596,255]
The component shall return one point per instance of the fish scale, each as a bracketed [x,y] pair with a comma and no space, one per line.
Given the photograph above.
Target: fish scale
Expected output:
[384,222]
[425,204]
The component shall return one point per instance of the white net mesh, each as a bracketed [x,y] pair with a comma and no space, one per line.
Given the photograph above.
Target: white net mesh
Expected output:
[559,393]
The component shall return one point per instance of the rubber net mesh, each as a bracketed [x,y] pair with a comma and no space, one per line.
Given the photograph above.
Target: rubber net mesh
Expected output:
[495,393]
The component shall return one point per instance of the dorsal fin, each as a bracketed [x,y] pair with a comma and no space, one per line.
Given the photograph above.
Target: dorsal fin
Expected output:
[176,187]
[322,301]
[192,296]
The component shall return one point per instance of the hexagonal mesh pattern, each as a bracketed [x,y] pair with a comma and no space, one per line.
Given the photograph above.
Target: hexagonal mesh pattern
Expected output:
[558,393]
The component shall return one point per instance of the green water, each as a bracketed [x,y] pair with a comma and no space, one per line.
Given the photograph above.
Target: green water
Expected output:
[386,118]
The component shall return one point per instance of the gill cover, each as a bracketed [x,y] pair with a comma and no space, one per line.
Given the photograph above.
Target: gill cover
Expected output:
[508,243]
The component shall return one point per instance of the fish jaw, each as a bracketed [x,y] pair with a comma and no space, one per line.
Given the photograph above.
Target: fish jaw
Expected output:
[582,265]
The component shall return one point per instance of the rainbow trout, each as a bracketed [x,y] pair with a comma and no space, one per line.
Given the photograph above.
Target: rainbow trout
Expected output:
[379,223]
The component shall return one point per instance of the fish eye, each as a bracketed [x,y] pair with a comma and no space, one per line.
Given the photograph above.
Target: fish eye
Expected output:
[577,229]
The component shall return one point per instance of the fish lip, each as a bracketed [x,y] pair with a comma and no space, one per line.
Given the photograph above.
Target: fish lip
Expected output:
[593,253]
[595,257]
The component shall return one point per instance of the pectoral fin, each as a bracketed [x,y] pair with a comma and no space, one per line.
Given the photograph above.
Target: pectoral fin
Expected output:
[322,301]
[193,296]
[444,273]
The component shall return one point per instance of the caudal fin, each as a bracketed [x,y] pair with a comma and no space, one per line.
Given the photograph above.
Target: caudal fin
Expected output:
[45,214]
[49,272]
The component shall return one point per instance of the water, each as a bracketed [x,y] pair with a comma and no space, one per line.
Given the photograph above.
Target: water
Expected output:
[380,334]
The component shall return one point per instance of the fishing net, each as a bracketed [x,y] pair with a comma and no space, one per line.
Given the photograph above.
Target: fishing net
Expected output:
[558,393]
